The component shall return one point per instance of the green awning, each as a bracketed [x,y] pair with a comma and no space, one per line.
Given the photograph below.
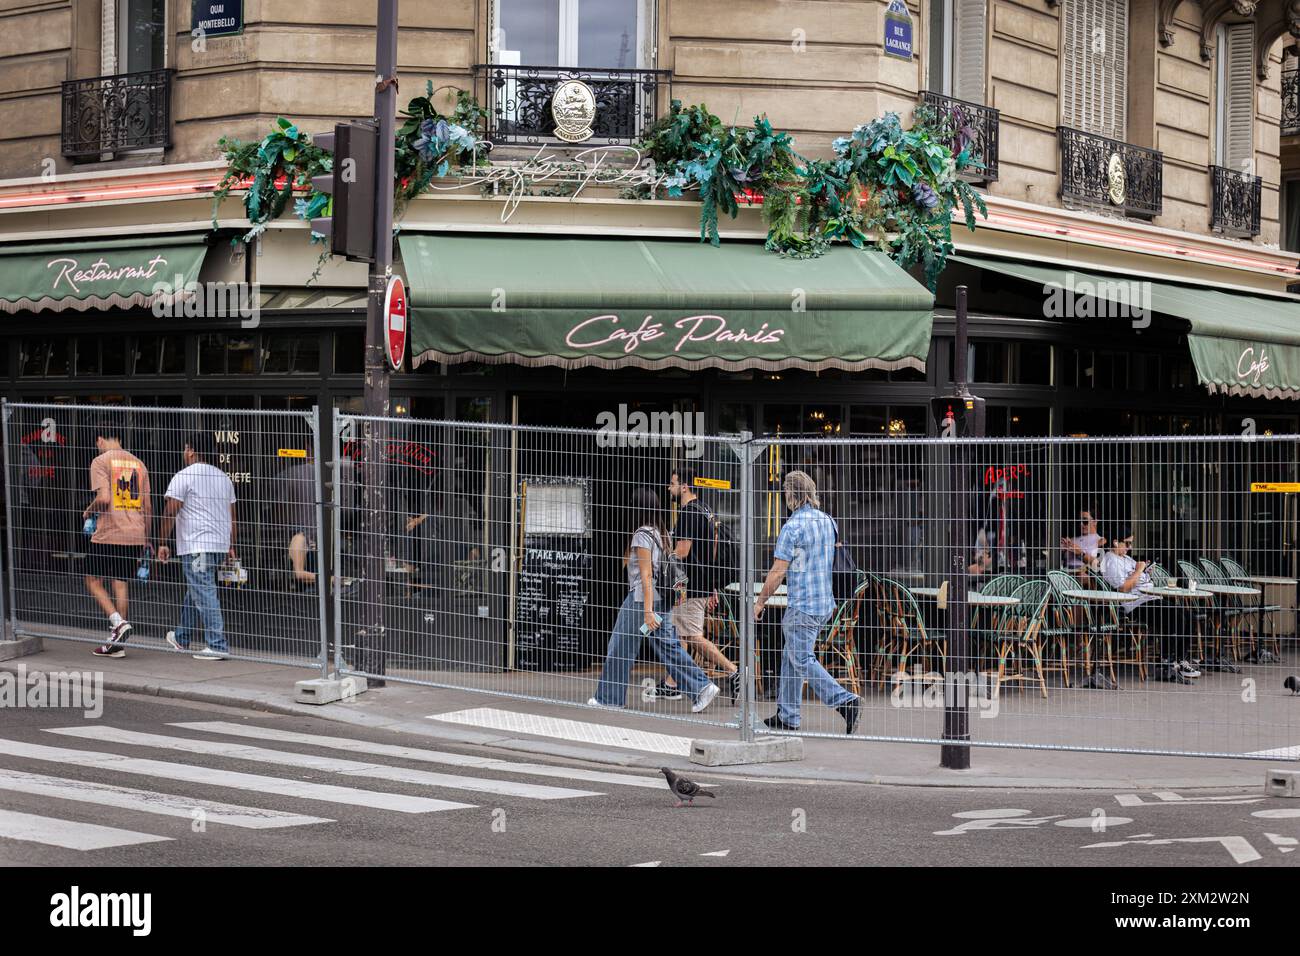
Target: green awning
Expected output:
[659,304]
[114,273]
[1241,344]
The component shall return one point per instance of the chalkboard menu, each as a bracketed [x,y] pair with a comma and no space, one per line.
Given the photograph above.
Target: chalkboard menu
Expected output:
[554,588]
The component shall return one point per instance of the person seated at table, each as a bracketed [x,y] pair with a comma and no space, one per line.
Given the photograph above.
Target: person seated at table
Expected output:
[1084,550]
[1169,625]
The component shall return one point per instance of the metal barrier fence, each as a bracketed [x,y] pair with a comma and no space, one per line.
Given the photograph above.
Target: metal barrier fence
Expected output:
[66,577]
[1125,594]
[506,572]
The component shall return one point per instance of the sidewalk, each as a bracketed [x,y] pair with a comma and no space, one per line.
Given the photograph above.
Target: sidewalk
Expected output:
[590,735]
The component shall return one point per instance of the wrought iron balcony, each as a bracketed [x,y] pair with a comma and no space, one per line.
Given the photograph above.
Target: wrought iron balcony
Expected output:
[979,124]
[116,114]
[1291,101]
[1234,202]
[519,101]
[1108,175]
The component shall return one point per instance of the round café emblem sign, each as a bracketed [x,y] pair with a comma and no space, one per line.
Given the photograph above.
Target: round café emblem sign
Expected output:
[1115,179]
[574,109]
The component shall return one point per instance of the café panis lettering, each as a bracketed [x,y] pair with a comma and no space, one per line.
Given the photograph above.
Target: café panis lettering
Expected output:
[604,330]
[1002,480]
[71,273]
[1248,366]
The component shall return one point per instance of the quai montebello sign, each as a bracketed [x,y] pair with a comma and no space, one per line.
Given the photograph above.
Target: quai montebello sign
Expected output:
[217,18]
[898,30]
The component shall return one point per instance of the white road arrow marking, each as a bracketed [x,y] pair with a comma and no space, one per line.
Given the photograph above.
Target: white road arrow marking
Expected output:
[716,853]
[651,863]
[1241,849]
[1166,798]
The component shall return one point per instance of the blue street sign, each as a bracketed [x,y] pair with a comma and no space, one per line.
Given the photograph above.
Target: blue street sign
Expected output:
[217,18]
[898,30]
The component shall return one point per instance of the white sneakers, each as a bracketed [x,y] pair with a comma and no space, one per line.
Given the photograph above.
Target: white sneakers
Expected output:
[707,696]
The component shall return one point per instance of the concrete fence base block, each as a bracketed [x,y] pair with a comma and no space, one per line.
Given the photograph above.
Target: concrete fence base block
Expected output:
[328,690]
[1282,783]
[22,647]
[728,753]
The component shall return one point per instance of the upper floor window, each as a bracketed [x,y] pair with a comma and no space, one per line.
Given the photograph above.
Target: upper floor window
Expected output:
[1234,146]
[958,41]
[598,34]
[140,44]
[1094,67]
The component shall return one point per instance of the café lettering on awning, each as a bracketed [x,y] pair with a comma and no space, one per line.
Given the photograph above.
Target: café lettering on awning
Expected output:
[661,303]
[1241,344]
[116,273]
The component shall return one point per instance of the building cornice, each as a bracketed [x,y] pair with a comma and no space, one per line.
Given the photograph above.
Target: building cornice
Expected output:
[131,198]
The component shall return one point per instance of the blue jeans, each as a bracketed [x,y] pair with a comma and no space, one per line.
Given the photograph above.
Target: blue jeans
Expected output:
[799,663]
[201,601]
[625,645]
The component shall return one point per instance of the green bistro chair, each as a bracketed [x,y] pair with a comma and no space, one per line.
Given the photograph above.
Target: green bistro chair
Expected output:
[914,639]
[1078,622]
[1237,615]
[1260,611]
[1159,576]
[837,647]
[1021,635]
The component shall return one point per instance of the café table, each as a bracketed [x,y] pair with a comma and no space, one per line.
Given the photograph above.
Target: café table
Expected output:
[973,598]
[1098,596]
[1202,592]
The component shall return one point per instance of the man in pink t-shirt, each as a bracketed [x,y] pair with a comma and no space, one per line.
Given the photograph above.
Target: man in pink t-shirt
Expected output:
[123,519]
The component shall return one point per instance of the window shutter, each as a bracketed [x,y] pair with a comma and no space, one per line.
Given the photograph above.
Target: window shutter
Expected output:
[1094,73]
[969,40]
[1237,100]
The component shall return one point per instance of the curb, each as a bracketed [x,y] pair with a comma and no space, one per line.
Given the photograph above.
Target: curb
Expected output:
[355,715]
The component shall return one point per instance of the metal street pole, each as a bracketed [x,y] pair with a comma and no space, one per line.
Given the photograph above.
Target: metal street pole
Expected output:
[377,405]
[956,709]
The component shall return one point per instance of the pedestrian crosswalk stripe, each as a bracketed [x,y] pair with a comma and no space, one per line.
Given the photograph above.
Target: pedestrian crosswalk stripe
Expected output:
[424,756]
[542,726]
[150,801]
[210,776]
[68,834]
[216,748]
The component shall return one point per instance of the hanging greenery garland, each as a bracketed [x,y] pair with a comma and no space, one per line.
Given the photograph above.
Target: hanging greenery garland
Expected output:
[887,188]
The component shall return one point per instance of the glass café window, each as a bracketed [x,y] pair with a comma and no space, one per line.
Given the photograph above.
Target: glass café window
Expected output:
[607,34]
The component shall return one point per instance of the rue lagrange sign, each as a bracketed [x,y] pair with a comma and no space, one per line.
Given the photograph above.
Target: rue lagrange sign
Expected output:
[898,30]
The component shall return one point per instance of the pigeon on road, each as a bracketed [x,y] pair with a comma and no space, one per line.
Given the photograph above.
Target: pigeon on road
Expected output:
[684,789]
[1292,684]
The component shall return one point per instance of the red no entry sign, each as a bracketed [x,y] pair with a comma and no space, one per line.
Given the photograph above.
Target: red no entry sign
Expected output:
[395,321]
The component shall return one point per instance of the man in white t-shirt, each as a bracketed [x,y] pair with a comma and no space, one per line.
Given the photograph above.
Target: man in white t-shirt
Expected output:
[201,505]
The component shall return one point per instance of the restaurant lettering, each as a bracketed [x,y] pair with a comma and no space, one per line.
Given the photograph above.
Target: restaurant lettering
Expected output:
[595,332]
[1248,365]
[71,272]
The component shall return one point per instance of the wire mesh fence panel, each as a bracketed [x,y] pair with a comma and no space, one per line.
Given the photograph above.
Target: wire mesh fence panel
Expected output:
[514,560]
[1128,594]
[165,529]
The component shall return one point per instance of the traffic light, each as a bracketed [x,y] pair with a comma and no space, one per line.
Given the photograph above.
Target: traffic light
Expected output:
[350,226]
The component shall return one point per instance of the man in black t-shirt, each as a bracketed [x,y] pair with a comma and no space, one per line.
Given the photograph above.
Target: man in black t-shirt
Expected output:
[693,539]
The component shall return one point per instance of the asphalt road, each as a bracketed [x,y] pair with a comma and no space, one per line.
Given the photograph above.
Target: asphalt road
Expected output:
[463,805]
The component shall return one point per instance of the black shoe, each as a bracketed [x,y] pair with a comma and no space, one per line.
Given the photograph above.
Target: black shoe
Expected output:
[850,710]
[776,723]
[663,691]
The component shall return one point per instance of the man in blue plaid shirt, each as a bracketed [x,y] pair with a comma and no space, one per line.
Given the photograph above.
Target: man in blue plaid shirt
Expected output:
[804,555]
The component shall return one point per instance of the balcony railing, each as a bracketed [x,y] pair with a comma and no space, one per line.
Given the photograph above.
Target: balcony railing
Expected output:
[1108,175]
[518,100]
[1235,202]
[115,114]
[1291,101]
[979,123]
